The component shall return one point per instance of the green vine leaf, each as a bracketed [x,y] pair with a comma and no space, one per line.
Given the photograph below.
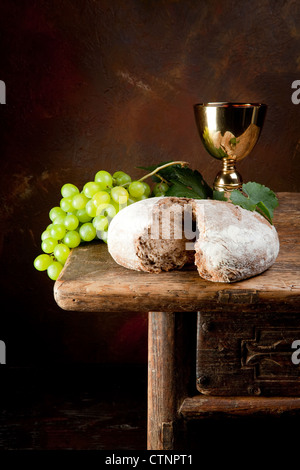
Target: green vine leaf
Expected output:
[256,197]
[219,196]
[193,181]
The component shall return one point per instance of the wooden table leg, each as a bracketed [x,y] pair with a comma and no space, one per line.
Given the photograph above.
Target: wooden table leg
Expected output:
[171,371]
[161,400]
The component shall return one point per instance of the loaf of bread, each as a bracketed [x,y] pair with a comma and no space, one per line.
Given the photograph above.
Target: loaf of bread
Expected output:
[226,243]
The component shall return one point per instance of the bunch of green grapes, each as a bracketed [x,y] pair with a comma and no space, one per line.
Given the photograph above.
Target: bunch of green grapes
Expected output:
[84,216]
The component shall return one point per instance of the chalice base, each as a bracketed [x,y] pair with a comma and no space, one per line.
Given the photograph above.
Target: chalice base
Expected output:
[228,178]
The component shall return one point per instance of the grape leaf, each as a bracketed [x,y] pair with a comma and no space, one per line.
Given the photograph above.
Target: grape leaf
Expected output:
[257,197]
[238,198]
[192,180]
[188,183]
[180,190]
[219,196]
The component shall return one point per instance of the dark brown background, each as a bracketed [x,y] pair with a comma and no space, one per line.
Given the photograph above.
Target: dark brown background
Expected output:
[110,84]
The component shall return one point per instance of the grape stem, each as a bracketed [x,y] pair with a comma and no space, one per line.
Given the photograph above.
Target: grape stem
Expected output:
[162,179]
[161,168]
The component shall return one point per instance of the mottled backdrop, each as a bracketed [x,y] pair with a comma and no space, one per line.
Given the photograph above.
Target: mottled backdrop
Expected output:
[110,84]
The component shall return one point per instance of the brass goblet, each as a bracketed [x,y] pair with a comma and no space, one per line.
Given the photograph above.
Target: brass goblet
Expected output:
[229,131]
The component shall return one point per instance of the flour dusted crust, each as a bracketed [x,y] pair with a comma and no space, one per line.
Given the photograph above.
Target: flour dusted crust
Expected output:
[136,237]
[232,243]
[125,227]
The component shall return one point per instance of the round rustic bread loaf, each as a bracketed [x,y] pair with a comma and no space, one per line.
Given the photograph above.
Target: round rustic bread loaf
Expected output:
[226,243]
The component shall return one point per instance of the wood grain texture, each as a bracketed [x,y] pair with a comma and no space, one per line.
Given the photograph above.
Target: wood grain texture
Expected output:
[171,352]
[92,281]
[198,407]
[247,354]
[161,381]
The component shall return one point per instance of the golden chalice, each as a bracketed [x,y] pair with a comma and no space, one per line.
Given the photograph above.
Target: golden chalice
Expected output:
[229,132]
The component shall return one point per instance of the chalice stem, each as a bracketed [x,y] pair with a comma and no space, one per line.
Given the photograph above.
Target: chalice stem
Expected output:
[228,178]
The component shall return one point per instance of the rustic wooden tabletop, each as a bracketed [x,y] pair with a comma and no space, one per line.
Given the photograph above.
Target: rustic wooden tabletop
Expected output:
[92,281]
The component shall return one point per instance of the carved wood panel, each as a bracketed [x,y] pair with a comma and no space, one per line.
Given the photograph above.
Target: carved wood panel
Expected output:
[247,354]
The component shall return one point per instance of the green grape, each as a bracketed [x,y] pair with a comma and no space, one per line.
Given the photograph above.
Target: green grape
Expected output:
[54,270]
[82,216]
[136,189]
[66,204]
[159,189]
[147,188]
[61,252]
[131,200]
[48,245]
[42,262]
[55,212]
[69,190]
[72,239]
[120,206]
[103,235]
[119,195]
[91,188]
[100,222]
[108,210]
[46,234]
[90,208]
[121,178]
[79,201]
[58,231]
[104,178]
[87,232]
[71,222]
[60,219]
[102,197]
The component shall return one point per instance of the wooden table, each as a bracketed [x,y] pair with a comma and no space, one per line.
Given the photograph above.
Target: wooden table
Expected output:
[212,347]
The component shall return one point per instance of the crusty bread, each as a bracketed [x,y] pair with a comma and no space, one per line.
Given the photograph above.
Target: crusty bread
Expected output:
[226,243]
[233,243]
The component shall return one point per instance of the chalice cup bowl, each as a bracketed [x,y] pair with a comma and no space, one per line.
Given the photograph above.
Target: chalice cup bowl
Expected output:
[229,131]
